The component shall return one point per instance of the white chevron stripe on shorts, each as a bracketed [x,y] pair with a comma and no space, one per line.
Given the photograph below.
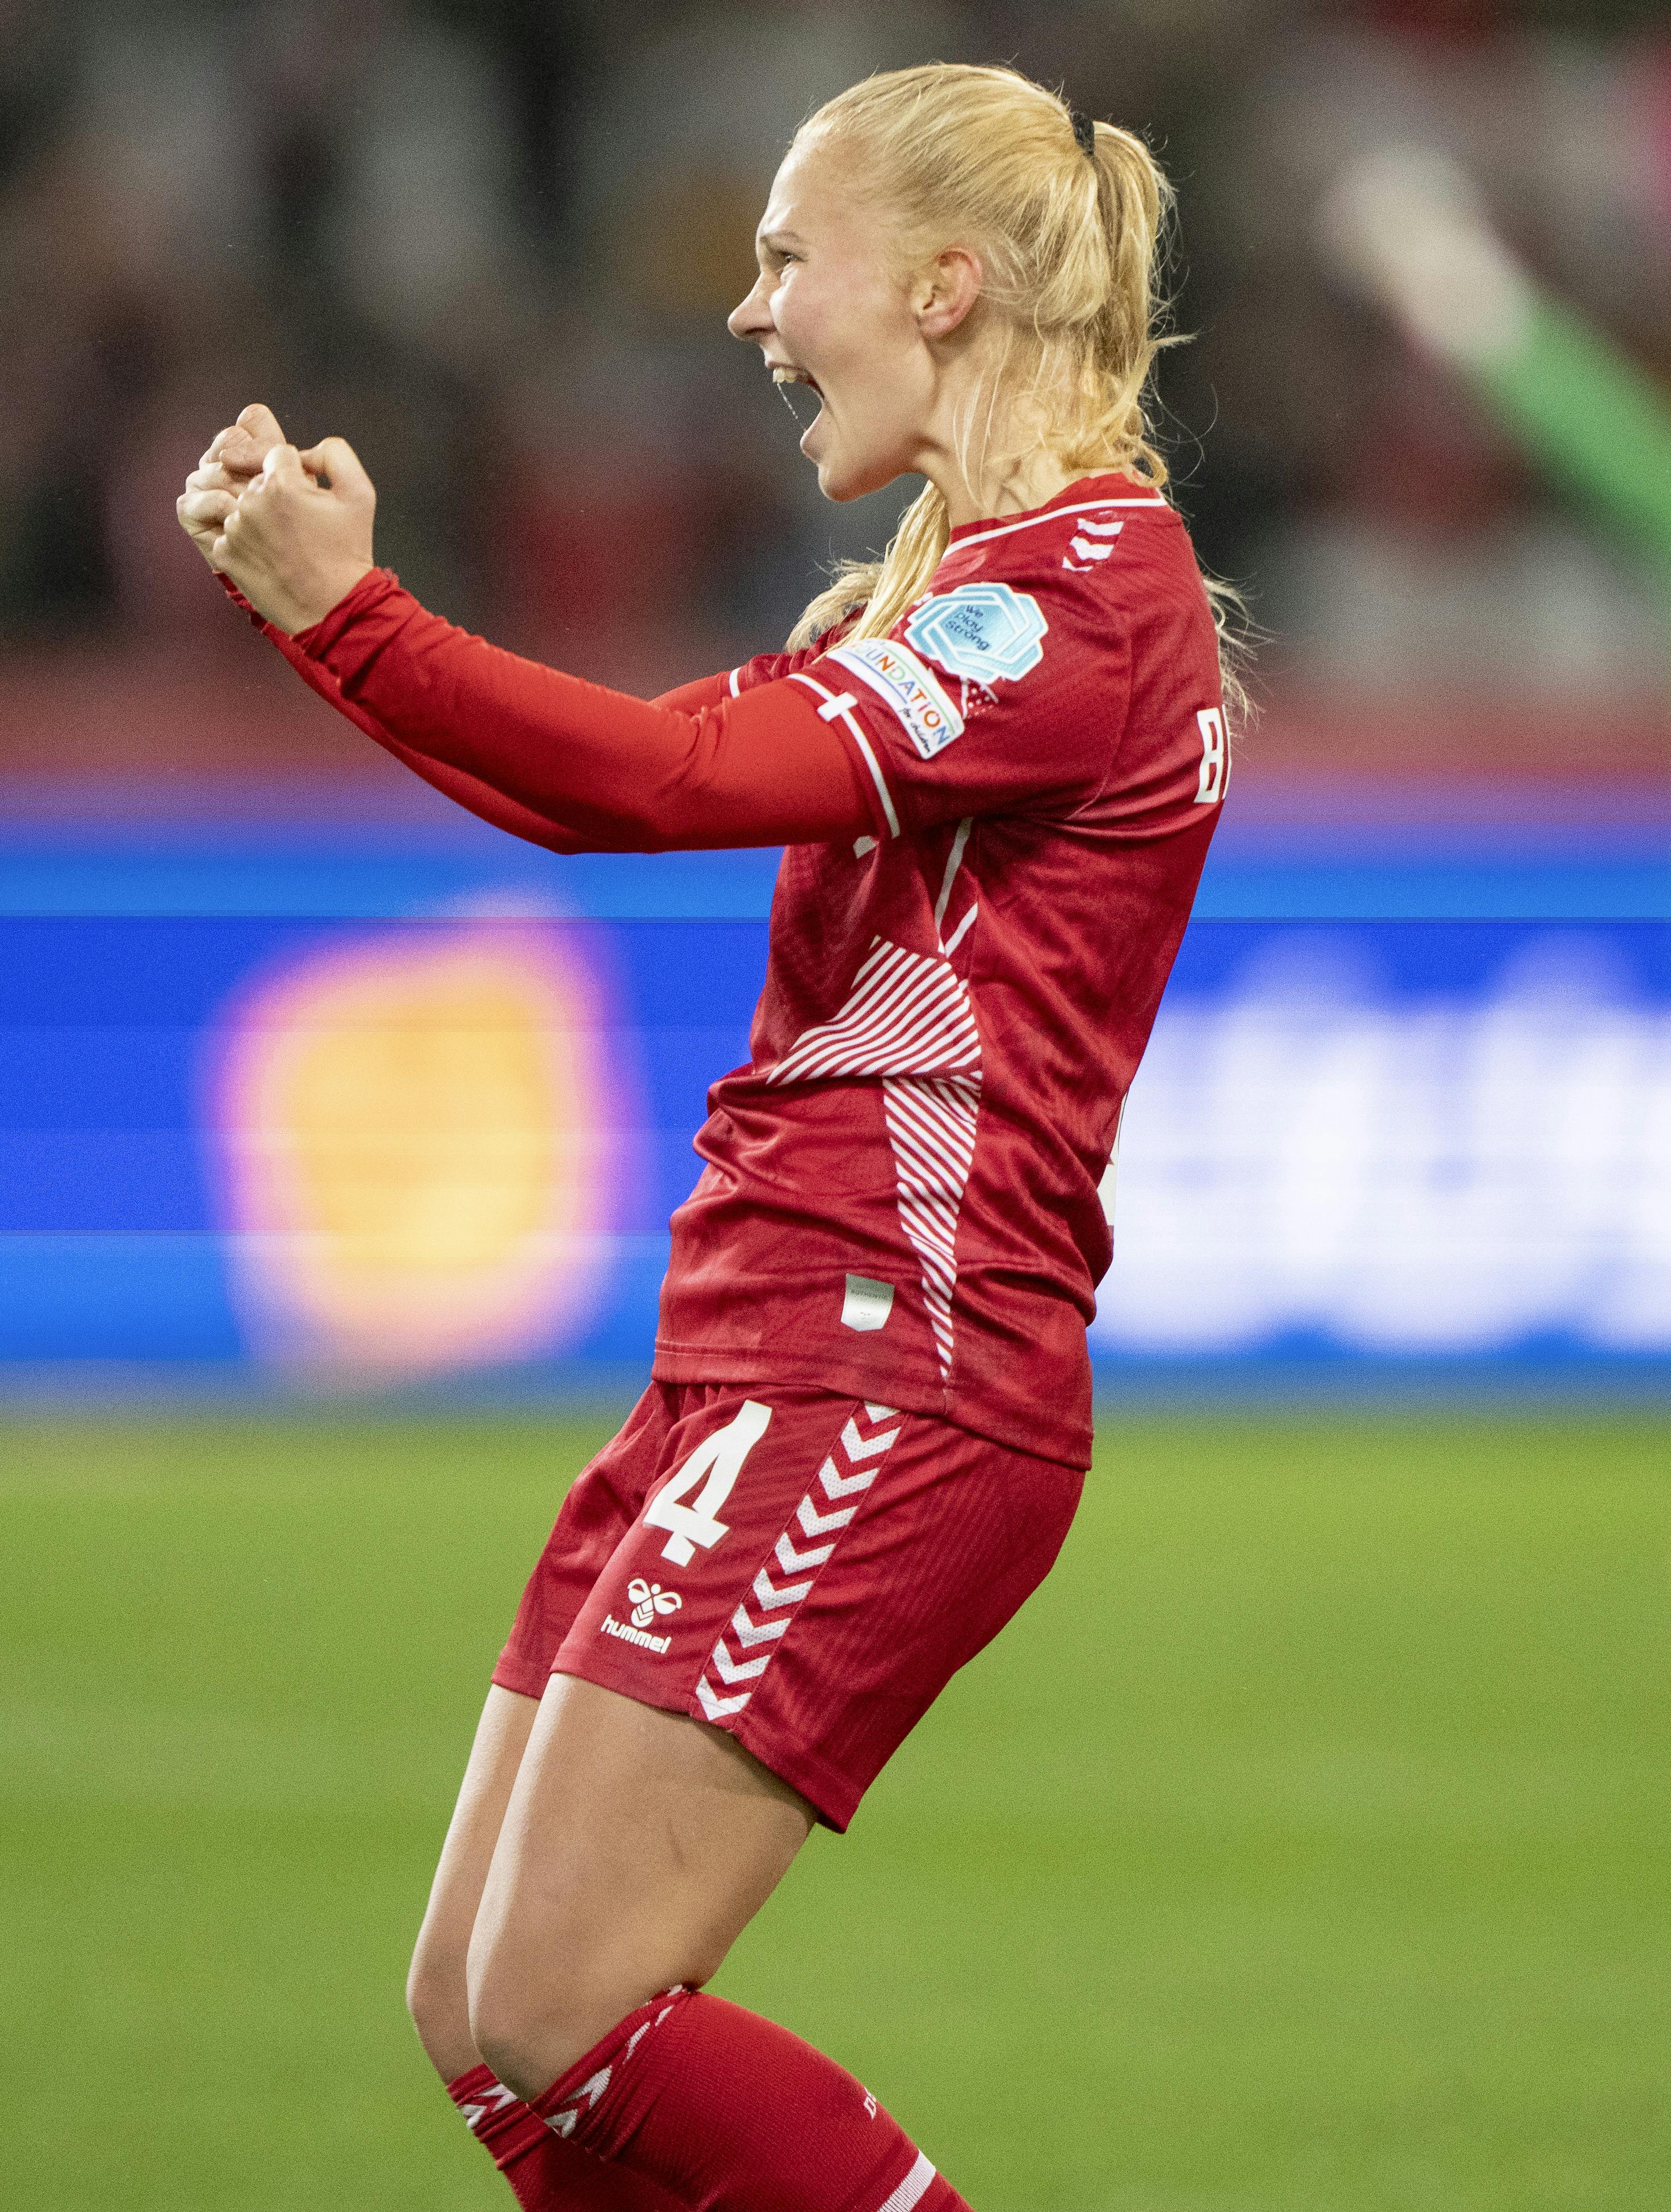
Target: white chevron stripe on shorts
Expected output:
[563,2123]
[912,2189]
[861,1456]
[715,1708]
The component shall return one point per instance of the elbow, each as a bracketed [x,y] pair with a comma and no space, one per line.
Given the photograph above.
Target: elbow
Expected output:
[620,829]
[671,829]
[663,819]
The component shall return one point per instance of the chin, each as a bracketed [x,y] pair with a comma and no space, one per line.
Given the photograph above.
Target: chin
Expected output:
[840,481]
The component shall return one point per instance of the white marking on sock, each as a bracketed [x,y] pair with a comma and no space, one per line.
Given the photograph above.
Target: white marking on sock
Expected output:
[912,2189]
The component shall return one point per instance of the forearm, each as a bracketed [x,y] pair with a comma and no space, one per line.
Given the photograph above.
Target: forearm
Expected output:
[615,772]
[465,791]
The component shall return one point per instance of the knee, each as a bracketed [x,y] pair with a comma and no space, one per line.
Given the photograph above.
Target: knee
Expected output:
[438,1999]
[432,1993]
[529,2019]
[517,2041]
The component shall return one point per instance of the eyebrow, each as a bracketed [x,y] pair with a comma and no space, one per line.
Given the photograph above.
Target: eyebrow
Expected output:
[773,239]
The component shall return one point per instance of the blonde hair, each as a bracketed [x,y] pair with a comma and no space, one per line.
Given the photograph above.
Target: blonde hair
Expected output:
[1071,250]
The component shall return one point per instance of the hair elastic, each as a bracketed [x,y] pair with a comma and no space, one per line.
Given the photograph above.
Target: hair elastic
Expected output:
[1084,133]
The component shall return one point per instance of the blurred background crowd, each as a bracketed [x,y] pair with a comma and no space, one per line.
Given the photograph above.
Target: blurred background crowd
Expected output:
[494,243]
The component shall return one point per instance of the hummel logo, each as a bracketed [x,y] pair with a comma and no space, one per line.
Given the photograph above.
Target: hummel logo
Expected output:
[609,1625]
[650,1599]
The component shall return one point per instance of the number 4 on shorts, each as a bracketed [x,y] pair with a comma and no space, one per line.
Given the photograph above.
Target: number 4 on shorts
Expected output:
[719,1457]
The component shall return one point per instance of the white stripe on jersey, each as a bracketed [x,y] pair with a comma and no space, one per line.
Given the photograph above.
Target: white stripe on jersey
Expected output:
[908,1018]
[929,1134]
[907,1014]
[961,931]
[834,706]
[953,862]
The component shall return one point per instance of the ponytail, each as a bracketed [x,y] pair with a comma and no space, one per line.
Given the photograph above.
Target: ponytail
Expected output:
[1072,249]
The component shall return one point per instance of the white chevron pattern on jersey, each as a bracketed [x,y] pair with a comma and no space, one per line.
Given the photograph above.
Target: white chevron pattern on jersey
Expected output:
[907,1014]
[1087,552]
[931,1126]
[908,1018]
[806,1544]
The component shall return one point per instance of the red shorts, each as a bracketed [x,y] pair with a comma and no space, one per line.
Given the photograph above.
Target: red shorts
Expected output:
[807,1572]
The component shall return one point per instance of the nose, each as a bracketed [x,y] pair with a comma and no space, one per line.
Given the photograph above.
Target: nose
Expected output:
[751,318]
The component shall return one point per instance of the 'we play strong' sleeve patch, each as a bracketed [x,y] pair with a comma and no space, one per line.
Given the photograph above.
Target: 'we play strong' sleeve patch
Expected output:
[982,634]
[987,632]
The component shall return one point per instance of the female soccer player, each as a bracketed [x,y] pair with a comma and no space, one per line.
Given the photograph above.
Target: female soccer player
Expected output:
[996,758]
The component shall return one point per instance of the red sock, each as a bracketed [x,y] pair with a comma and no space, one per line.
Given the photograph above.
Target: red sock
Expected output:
[546,2172]
[728,2114]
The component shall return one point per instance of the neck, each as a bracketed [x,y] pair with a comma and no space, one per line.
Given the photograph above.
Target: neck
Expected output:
[1007,479]
[1016,488]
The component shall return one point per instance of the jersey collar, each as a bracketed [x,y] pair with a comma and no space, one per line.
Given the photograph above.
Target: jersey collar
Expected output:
[1083,491]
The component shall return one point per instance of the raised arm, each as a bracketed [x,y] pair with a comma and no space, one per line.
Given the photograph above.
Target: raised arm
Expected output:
[466,791]
[567,763]
[763,768]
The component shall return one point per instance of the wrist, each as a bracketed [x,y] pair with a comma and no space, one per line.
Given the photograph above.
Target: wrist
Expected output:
[302,611]
[319,641]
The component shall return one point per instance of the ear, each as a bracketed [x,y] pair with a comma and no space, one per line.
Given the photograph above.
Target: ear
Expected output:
[947,289]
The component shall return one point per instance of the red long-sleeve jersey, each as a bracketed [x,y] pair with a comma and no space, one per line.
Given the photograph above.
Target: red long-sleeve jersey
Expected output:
[996,820]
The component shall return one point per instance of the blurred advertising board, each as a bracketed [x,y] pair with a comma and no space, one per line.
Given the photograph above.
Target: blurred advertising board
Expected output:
[305,1113]
[1377,1141]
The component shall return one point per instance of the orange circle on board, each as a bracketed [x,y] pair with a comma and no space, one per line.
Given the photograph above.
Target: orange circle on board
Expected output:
[418,1150]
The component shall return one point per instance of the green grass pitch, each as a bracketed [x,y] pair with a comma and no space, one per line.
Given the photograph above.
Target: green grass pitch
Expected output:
[1302,1848]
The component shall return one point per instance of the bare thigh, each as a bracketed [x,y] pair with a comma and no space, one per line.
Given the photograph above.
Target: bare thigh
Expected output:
[635,1846]
[437,1990]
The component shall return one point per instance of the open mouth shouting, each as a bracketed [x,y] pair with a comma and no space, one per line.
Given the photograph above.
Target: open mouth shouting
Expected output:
[783,376]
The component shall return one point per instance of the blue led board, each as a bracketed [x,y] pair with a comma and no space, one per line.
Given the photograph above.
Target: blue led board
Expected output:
[1361,1148]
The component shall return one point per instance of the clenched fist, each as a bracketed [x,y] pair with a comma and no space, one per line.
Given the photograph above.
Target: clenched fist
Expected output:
[293,531]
